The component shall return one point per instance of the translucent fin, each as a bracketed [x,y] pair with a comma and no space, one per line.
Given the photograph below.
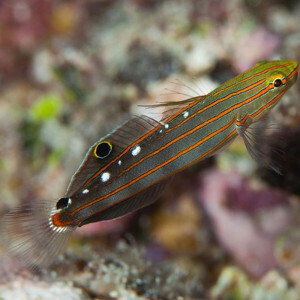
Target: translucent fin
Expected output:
[29,236]
[174,106]
[194,87]
[255,137]
[174,103]
[131,204]
[120,139]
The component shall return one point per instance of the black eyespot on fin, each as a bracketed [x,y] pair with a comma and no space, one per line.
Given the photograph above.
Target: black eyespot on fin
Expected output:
[103,149]
[63,203]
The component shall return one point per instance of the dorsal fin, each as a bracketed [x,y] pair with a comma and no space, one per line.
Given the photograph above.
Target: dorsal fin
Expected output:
[175,103]
[173,106]
[121,138]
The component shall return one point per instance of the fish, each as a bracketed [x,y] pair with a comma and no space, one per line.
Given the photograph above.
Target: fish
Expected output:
[129,168]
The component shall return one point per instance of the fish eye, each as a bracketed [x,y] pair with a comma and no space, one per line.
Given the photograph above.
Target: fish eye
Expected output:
[277,82]
[103,149]
[63,203]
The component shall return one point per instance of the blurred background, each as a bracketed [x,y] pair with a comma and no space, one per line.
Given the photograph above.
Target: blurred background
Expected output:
[70,71]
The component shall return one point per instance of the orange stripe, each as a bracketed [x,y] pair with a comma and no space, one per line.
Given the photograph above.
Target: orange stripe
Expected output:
[278,96]
[232,134]
[269,103]
[250,77]
[118,157]
[242,121]
[156,168]
[178,113]
[133,144]
[56,221]
[178,138]
[218,101]
[223,113]
[190,132]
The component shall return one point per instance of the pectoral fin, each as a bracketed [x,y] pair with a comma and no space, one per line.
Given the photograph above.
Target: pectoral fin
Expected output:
[255,137]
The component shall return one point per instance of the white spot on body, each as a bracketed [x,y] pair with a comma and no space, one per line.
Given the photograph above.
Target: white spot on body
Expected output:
[119,162]
[85,191]
[161,131]
[105,176]
[185,114]
[136,150]
[166,126]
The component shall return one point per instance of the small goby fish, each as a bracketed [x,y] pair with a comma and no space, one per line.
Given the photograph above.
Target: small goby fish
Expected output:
[128,168]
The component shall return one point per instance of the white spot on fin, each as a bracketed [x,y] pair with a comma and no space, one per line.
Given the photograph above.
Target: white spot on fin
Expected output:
[85,191]
[185,114]
[119,162]
[105,176]
[136,150]
[166,126]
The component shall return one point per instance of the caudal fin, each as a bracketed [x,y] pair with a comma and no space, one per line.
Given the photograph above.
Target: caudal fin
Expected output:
[28,234]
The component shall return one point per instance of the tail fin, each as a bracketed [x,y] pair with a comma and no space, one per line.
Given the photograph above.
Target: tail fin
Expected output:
[29,235]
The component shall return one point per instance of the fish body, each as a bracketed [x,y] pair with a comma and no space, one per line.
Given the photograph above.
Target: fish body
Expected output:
[129,168]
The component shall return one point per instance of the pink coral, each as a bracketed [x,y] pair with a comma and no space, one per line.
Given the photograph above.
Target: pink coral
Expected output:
[244,220]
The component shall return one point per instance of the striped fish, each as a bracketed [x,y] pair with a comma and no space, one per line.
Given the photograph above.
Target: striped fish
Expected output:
[128,168]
